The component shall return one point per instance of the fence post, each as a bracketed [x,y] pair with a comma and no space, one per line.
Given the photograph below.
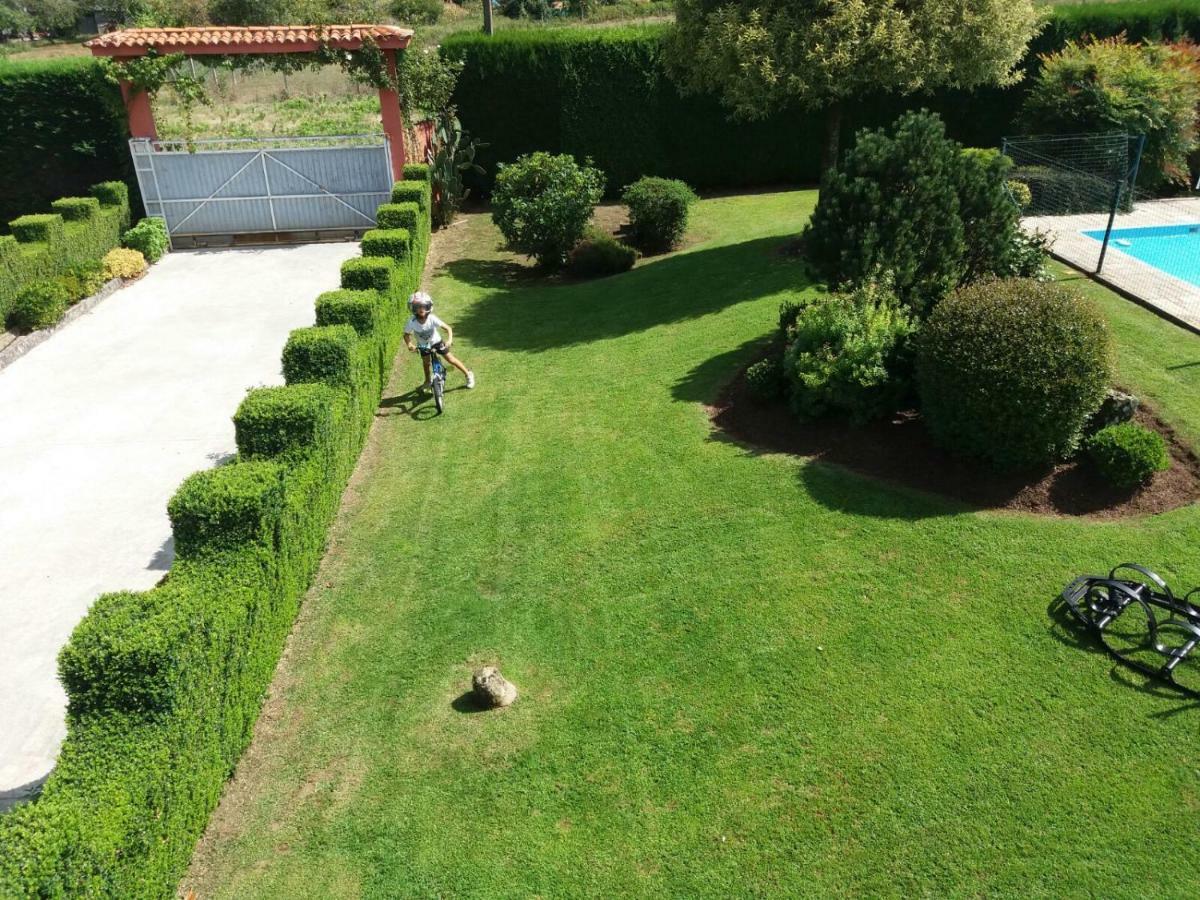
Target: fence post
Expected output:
[1112,214]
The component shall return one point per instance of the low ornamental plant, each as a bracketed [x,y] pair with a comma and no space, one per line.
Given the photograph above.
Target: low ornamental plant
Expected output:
[82,280]
[1128,455]
[123,263]
[658,212]
[542,203]
[847,354]
[600,254]
[40,305]
[764,380]
[1010,371]
[148,236]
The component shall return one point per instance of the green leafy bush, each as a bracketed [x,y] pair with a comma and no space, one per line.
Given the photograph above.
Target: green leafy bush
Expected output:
[1111,84]
[911,202]
[1059,192]
[111,193]
[389,243]
[40,305]
[416,12]
[1128,455]
[323,353]
[219,509]
[1021,194]
[82,280]
[600,254]
[367,274]
[47,227]
[658,212]
[398,215]
[542,204]
[354,308]
[764,380]
[847,353]
[1009,371]
[411,190]
[121,262]
[148,236]
[274,421]
[76,209]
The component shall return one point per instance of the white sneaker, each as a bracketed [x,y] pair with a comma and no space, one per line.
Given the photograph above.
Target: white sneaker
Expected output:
[470,380]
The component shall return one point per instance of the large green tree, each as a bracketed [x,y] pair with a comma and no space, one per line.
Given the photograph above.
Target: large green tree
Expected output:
[761,54]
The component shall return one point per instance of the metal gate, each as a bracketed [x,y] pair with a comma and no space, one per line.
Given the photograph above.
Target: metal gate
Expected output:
[263,185]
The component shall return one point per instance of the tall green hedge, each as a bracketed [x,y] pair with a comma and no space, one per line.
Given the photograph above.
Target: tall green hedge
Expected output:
[164,686]
[62,127]
[604,93]
[43,245]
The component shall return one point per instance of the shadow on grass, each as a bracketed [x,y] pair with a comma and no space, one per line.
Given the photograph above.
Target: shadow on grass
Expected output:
[553,313]
[468,704]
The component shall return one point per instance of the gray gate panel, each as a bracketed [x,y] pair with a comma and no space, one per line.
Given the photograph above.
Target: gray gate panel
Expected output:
[267,185]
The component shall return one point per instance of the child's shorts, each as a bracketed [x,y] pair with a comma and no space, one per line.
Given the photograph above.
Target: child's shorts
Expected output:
[439,348]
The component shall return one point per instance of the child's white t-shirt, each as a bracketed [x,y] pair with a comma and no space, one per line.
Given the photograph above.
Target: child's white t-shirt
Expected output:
[425,332]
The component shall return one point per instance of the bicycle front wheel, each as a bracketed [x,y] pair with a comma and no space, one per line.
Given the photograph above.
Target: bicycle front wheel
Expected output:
[439,388]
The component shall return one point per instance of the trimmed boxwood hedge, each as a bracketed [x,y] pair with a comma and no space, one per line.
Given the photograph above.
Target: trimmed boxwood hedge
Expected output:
[164,686]
[44,245]
[604,93]
[62,126]
[343,307]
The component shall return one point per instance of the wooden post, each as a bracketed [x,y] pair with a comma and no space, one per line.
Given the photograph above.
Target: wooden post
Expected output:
[488,28]
[393,121]
[137,108]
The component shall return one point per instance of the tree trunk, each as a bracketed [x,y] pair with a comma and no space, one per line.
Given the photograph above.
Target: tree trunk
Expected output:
[833,139]
[488,27]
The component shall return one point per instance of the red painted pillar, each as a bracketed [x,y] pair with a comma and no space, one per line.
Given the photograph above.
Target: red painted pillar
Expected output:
[141,116]
[393,122]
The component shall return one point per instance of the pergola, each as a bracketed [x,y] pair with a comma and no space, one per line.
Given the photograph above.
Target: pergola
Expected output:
[258,40]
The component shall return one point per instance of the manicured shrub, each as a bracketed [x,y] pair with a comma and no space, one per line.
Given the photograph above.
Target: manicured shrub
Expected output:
[991,218]
[1128,455]
[367,274]
[76,209]
[658,212]
[417,172]
[399,215]
[542,204]
[46,227]
[111,193]
[848,354]
[82,280]
[220,509]
[1021,194]
[764,380]
[415,190]
[1009,371]
[148,236]
[1111,84]
[354,308]
[390,243]
[41,305]
[320,354]
[273,421]
[123,263]
[1059,192]
[600,254]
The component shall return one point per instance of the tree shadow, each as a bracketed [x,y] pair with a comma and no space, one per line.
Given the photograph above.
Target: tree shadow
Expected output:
[553,313]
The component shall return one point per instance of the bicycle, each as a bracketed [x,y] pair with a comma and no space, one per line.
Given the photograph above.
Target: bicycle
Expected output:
[437,378]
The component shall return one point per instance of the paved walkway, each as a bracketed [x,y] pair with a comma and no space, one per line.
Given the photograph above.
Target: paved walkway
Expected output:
[98,426]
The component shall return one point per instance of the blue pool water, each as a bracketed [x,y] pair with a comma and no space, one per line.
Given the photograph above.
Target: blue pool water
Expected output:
[1174,249]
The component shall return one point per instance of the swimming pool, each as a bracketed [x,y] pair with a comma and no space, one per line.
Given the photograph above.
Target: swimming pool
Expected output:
[1174,249]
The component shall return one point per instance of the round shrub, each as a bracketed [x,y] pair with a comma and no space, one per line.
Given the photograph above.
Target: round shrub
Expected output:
[1128,455]
[542,204]
[1010,370]
[847,353]
[600,254]
[149,237]
[658,212]
[40,305]
[82,280]
[1021,194]
[764,380]
[123,263]
[417,12]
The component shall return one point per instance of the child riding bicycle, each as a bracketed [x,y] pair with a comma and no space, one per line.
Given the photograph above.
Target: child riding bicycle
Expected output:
[423,326]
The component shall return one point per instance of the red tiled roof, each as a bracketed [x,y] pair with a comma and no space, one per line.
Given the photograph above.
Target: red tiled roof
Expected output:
[246,39]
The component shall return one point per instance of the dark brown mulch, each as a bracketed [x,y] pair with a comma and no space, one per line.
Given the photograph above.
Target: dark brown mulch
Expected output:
[901,451]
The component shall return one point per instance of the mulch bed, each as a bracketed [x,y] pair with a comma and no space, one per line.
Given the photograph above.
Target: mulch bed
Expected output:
[901,451]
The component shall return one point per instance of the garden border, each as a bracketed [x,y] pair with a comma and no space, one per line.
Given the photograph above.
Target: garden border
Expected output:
[26,342]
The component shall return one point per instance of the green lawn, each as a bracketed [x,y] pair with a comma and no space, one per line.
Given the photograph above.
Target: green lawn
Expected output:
[741,674]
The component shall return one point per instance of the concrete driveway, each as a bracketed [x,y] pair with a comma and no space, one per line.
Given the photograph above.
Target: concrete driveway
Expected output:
[98,426]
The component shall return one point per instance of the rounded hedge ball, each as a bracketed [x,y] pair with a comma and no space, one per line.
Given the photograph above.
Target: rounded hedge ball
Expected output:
[1009,370]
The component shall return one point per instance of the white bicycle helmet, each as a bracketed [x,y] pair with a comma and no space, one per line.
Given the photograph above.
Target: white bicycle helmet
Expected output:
[420,300]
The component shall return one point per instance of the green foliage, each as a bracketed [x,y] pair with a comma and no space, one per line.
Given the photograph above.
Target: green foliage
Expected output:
[75,209]
[417,12]
[1010,371]
[39,305]
[353,308]
[62,127]
[453,156]
[148,236]
[324,353]
[82,280]
[367,274]
[1128,455]
[1021,194]
[398,215]
[765,381]
[412,190]
[658,211]
[43,246]
[600,254]
[164,686]
[123,262]
[542,203]
[847,353]
[111,193]
[390,243]
[1112,85]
